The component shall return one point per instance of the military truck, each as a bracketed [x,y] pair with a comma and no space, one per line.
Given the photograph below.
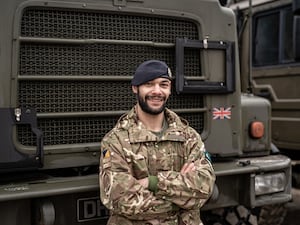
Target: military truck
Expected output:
[270,56]
[65,71]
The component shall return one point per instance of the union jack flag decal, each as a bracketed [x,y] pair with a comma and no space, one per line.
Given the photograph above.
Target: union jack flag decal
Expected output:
[221,113]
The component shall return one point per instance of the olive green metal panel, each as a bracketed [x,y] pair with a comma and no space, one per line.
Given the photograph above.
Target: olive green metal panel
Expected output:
[278,81]
[72,63]
[256,109]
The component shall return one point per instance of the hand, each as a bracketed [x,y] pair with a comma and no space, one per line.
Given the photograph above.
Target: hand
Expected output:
[187,167]
[144,182]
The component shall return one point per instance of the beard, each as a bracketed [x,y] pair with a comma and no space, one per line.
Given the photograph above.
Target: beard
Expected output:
[146,108]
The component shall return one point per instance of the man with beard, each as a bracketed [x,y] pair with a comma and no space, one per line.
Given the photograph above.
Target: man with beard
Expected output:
[153,165]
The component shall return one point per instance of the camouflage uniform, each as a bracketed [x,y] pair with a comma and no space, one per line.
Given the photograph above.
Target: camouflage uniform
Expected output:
[131,152]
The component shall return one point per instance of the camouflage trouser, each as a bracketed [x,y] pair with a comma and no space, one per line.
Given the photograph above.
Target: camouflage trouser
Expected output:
[190,217]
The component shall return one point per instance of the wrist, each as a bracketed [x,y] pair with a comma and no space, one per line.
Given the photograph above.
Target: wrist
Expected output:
[152,183]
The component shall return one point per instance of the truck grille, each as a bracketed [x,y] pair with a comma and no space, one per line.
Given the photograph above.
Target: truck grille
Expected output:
[59,76]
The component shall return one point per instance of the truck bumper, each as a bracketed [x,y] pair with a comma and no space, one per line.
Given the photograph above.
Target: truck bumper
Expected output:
[49,187]
[74,200]
[235,184]
[236,181]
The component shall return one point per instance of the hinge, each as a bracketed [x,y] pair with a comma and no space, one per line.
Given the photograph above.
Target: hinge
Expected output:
[18,113]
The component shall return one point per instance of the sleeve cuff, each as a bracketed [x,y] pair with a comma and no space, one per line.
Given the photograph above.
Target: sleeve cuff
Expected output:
[152,186]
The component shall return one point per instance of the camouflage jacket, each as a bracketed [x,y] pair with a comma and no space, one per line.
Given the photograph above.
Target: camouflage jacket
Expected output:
[131,152]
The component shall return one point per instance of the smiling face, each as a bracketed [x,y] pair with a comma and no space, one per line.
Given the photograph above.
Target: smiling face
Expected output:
[153,95]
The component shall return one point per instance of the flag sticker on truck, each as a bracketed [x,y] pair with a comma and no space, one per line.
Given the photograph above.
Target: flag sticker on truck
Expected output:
[221,113]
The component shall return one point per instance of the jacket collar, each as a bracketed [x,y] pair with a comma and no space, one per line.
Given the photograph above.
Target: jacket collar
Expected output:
[138,132]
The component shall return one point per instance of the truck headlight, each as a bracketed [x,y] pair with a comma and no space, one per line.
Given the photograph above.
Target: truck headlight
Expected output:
[269,183]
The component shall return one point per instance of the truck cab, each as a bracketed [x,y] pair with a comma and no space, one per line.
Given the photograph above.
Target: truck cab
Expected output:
[269,53]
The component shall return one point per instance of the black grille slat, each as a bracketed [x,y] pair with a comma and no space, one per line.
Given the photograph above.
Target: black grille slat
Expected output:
[81,130]
[68,130]
[88,96]
[75,96]
[195,120]
[93,60]
[93,25]
[83,96]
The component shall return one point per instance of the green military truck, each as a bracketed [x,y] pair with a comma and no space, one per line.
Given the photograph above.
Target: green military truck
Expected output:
[270,56]
[65,71]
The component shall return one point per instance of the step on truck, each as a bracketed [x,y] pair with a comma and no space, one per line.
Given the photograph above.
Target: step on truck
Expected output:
[65,71]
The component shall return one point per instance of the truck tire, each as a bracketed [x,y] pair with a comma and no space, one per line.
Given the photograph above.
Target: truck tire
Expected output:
[235,215]
[241,215]
[272,214]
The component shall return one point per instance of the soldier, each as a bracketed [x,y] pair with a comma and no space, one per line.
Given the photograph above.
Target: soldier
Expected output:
[153,165]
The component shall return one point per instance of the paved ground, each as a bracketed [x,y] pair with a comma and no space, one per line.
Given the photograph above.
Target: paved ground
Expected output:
[293,214]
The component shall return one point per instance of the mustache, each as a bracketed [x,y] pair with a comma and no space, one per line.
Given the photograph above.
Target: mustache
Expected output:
[156,97]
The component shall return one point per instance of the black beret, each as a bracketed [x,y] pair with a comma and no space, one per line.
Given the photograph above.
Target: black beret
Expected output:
[150,70]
